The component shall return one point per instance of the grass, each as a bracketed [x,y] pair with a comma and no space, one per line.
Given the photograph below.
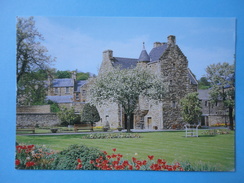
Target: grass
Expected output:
[172,146]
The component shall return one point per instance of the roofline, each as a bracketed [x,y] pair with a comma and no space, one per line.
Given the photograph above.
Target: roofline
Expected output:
[192,75]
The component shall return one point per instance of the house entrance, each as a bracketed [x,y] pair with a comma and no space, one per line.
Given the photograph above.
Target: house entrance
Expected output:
[131,121]
[149,122]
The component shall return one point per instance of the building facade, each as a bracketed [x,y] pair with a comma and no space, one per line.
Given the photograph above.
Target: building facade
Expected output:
[166,60]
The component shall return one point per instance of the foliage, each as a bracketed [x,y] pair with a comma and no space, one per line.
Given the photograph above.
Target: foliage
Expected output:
[67,159]
[191,108]
[222,78]
[62,74]
[82,76]
[199,166]
[116,162]
[125,86]
[32,63]
[111,135]
[54,107]
[33,157]
[68,116]
[203,83]
[89,113]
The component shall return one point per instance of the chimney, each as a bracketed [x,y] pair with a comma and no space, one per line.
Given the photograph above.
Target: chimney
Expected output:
[74,75]
[107,54]
[156,44]
[171,41]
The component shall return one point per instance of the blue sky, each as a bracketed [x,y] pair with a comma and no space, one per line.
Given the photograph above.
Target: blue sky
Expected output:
[78,42]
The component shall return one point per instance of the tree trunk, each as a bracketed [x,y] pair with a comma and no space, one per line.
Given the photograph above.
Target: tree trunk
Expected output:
[128,122]
[231,118]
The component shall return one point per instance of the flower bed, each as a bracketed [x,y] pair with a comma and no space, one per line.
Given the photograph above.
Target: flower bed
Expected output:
[80,157]
[111,135]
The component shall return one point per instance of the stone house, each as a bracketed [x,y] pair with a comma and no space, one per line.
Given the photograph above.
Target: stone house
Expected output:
[68,92]
[166,60]
[212,113]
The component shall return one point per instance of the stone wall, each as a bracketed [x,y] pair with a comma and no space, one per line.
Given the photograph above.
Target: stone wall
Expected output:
[37,119]
[34,109]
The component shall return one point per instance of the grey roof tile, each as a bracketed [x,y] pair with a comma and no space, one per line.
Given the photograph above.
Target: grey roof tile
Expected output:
[124,63]
[203,94]
[79,84]
[144,57]
[60,99]
[63,82]
[157,52]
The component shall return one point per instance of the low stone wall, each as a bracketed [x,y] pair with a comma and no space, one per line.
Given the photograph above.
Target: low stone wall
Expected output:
[37,119]
[34,109]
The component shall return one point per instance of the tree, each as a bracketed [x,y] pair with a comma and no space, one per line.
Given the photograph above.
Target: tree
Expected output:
[68,116]
[191,108]
[222,78]
[62,74]
[83,76]
[203,83]
[124,86]
[32,62]
[90,114]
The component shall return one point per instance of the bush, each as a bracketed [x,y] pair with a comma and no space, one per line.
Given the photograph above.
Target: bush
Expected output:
[67,159]
[199,166]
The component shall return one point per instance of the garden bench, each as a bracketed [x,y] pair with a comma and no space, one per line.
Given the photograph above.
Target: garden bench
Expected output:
[191,130]
[86,126]
[25,129]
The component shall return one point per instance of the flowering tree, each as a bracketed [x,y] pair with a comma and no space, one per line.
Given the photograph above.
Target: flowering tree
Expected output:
[124,86]
[222,79]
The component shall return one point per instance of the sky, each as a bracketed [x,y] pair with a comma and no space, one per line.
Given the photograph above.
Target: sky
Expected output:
[78,42]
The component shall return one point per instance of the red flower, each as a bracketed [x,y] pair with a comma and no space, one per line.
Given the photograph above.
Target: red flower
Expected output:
[79,160]
[92,162]
[150,157]
[114,149]
[114,155]
[120,155]
[130,167]
[144,162]
[17,162]
[29,164]
[138,167]
[105,152]
[161,161]
[79,166]
[133,159]
[108,156]
[125,163]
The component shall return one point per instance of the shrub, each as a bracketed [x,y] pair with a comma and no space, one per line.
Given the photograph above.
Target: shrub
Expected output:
[199,166]
[67,159]
[216,132]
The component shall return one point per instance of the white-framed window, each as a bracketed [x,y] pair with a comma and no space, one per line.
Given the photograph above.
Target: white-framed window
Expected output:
[67,90]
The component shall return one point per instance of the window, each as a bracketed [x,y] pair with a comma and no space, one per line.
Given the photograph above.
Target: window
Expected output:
[173,104]
[206,103]
[173,66]
[77,96]
[56,90]
[83,92]
[170,82]
[67,90]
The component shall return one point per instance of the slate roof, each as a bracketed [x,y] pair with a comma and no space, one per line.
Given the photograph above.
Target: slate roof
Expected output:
[144,57]
[203,94]
[63,82]
[79,84]
[60,99]
[124,63]
[157,52]
[192,78]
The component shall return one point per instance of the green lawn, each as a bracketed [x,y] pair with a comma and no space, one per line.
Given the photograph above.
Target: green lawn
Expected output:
[172,146]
